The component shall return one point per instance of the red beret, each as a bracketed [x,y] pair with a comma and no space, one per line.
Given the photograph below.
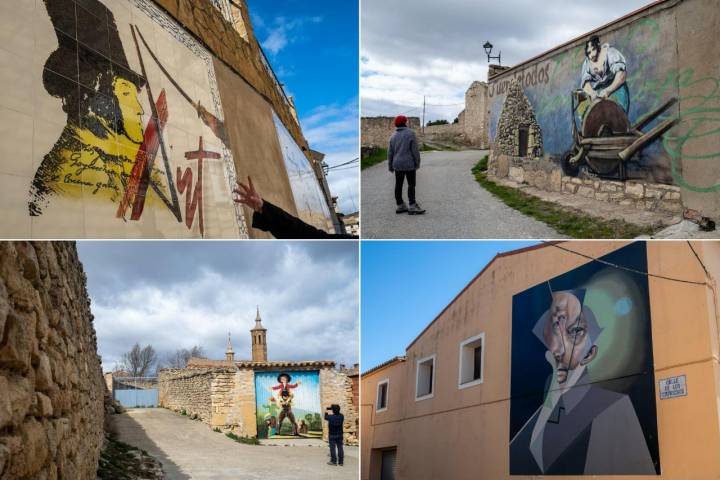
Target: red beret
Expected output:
[400,120]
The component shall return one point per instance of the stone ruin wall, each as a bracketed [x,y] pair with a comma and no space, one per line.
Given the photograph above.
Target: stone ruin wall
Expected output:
[220,397]
[471,129]
[187,390]
[377,130]
[451,131]
[225,398]
[51,383]
[475,115]
[233,402]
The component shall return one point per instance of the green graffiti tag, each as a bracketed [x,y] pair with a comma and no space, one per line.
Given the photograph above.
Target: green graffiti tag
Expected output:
[699,118]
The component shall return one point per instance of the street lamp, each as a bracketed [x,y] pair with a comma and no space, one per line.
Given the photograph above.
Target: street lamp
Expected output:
[488,49]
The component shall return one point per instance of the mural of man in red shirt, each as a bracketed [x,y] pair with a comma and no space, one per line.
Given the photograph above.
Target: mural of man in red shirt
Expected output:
[285,399]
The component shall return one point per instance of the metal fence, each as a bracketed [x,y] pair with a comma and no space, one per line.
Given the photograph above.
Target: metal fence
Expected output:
[136,392]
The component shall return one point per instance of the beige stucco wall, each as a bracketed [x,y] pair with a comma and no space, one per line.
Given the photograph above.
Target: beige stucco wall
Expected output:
[464,433]
[254,143]
[698,23]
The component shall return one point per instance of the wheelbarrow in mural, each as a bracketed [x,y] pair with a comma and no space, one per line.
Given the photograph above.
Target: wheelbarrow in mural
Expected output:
[135,137]
[603,137]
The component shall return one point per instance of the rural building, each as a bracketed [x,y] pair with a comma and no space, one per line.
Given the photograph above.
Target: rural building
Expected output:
[244,396]
[567,358]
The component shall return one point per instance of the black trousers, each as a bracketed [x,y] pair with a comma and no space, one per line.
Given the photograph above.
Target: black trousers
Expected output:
[336,443]
[399,177]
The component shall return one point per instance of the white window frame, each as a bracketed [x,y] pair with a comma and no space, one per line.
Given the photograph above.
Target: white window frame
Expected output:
[432,380]
[384,381]
[462,344]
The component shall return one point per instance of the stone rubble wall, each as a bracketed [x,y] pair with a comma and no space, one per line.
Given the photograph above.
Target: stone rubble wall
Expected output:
[233,402]
[188,390]
[476,115]
[517,111]
[377,130]
[547,175]
[51,383]
[452,132]
[337,387]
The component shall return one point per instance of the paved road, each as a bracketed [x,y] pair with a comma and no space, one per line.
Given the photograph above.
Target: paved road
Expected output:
[190,449]
[457,207]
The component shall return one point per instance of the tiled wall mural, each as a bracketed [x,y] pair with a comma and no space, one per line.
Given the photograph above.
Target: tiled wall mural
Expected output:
[117,124]
[309,199]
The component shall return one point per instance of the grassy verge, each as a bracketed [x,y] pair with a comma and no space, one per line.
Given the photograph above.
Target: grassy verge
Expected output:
[381,156]
[374,159]
[565,220]
[245,440]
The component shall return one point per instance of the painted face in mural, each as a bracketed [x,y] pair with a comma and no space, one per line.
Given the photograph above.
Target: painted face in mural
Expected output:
[592,49]
[566,335]
[126,93]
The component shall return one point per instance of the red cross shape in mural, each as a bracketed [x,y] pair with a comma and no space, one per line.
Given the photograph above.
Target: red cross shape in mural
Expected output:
[193,201]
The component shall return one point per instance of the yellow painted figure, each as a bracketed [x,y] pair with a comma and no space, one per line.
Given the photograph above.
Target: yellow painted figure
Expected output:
[97,149]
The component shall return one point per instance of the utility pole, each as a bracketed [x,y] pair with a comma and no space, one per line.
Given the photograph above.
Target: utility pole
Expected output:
[423,120]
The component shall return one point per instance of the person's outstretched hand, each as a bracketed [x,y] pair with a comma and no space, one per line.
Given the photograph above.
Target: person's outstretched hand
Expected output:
[248,195]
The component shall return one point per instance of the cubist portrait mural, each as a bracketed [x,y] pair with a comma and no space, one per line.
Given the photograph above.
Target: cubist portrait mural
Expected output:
[288,404]
[582,381]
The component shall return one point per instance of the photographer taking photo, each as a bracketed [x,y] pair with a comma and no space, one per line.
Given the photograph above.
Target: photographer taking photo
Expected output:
[335,434]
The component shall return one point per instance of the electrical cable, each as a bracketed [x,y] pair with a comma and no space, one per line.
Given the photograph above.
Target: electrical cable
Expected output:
[707,274]
[621,267]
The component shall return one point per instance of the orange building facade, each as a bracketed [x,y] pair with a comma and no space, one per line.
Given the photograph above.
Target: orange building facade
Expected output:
[573,359]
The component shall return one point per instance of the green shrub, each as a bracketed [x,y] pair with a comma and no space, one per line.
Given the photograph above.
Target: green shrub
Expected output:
[245,440]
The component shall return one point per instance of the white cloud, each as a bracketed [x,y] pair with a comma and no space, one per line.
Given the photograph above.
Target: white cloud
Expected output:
[308,298]
[275,41]
[333,130]
[283,31]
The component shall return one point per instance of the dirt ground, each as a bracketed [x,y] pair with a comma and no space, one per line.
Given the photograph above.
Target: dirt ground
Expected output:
[190,449]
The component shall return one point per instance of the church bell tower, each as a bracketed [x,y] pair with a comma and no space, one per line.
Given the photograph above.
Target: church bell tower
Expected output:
[259,340]
[229,354]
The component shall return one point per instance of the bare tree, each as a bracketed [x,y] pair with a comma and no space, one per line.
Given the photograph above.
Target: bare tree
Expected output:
[180,357]
[139,362]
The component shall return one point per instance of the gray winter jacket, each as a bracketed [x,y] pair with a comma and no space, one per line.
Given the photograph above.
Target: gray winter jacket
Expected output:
[403,151]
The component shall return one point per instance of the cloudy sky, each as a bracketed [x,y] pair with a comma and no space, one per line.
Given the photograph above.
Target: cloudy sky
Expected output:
[312,47]
[175,295]
[411,48]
